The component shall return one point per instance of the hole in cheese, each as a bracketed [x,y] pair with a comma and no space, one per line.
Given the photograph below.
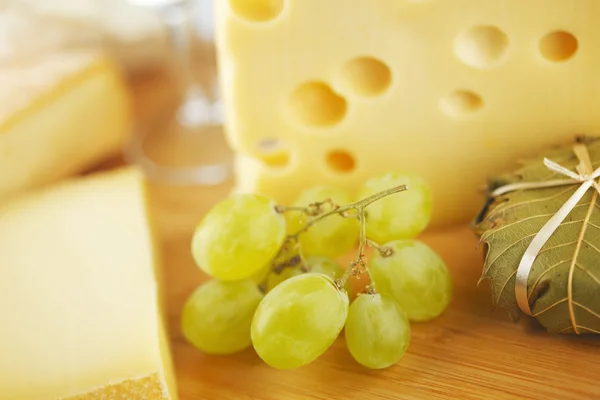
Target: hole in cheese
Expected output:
[273,152]
[256,10]
[461,102]
[481,46]
[340,161]
[366,76]
[558,46]
[315,104]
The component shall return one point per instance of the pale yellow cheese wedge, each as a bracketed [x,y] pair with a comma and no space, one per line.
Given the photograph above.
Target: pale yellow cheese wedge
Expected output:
[59,114]
[79,294]
[334,92]
[134,35]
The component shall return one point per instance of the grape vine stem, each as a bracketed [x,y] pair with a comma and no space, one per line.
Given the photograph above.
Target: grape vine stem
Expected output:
[358,206]
[358,210]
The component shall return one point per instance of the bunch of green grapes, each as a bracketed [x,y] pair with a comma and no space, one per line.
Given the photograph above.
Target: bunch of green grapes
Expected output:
[277,286]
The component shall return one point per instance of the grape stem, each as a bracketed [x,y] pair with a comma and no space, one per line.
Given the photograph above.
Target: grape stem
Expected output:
[358,206]
[279,263]
[352,210]
[383,250]
[360,264]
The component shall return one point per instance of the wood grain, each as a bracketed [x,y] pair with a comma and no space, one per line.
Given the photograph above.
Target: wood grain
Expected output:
[469,352]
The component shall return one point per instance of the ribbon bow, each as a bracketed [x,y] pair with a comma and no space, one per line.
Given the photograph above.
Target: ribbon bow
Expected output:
[585,176]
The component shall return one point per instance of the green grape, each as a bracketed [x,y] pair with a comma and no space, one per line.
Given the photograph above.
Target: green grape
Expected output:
[261,275]
[275,279]
[217,316]
[270,277]
[316,264]
[415,276]
[238,237]
[330,237]
[326,266]
[377,331]
[399,216]
[298,320]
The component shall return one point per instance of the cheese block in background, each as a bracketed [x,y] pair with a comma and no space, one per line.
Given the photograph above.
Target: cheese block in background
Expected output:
[323,92]
[59,115]
[135,36]
[79,294]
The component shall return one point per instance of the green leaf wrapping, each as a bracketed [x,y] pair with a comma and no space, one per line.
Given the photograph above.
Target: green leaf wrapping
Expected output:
[508,223]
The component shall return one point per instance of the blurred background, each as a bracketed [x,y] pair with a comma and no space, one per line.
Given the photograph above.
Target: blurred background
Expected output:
[103,82]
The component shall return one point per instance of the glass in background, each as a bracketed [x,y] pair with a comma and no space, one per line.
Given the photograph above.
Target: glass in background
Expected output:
[187,148]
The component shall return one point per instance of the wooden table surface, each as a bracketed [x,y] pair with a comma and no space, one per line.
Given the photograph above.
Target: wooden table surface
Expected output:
[469,352]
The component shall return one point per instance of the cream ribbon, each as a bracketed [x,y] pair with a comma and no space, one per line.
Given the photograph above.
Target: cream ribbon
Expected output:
[586,177]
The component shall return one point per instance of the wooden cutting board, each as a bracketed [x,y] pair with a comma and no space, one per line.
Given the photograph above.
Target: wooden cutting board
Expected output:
[469,352]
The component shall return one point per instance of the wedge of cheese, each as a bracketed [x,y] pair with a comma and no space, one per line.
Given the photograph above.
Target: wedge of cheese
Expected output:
[59,114]
[80,311]
[134,35]
[333,92]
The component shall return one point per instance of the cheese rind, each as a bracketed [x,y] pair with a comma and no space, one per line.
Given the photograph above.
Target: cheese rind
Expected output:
[79,298]
[149,387]
[429,88]
[59,116]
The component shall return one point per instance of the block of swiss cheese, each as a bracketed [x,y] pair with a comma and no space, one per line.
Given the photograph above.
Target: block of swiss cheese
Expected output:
[79,295]
[333,92]
[58,115]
